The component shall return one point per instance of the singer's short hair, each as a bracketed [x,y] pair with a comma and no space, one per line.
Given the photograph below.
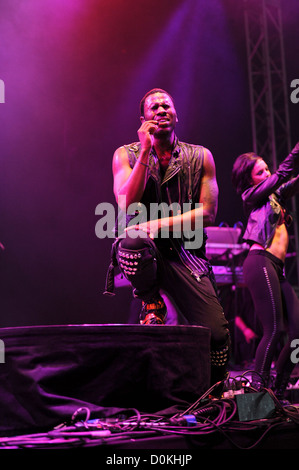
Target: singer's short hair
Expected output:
[152,92]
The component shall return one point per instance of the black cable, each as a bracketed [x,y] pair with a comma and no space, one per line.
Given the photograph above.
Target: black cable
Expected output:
[213,416]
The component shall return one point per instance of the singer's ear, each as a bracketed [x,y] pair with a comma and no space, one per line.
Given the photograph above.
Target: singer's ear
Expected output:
[142,118]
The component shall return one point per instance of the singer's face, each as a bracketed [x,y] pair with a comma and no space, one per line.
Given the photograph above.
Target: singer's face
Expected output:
[159,107]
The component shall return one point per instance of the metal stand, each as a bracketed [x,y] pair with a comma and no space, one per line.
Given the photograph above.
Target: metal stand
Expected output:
[268,96]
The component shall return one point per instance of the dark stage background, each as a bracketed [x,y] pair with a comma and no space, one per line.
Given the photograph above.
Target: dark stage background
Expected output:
[74,72]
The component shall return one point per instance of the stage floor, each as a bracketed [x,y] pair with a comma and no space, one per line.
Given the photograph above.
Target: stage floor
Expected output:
[119,389]
[179,435]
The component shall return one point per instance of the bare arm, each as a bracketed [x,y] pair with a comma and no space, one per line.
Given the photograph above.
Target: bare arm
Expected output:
[209,190]
[130,182]
[248,333]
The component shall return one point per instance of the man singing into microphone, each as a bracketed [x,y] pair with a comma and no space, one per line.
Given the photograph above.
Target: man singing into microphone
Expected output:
[159,169]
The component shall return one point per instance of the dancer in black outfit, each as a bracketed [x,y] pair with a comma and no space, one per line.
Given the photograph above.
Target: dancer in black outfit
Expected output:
[276,304]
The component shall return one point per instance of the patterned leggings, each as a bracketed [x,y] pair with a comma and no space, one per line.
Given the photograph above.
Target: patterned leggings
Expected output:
[276,306]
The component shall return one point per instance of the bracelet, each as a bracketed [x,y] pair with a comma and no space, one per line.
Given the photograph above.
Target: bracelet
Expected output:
[144,164]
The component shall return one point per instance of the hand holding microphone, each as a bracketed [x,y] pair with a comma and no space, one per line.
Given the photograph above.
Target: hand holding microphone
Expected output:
[145,133]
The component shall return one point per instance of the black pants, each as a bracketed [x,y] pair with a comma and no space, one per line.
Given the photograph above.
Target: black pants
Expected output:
[277,307]
[196,301]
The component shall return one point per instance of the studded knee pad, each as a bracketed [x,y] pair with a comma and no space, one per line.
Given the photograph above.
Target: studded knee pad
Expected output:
[128,261]
[219,357]
[132,262]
